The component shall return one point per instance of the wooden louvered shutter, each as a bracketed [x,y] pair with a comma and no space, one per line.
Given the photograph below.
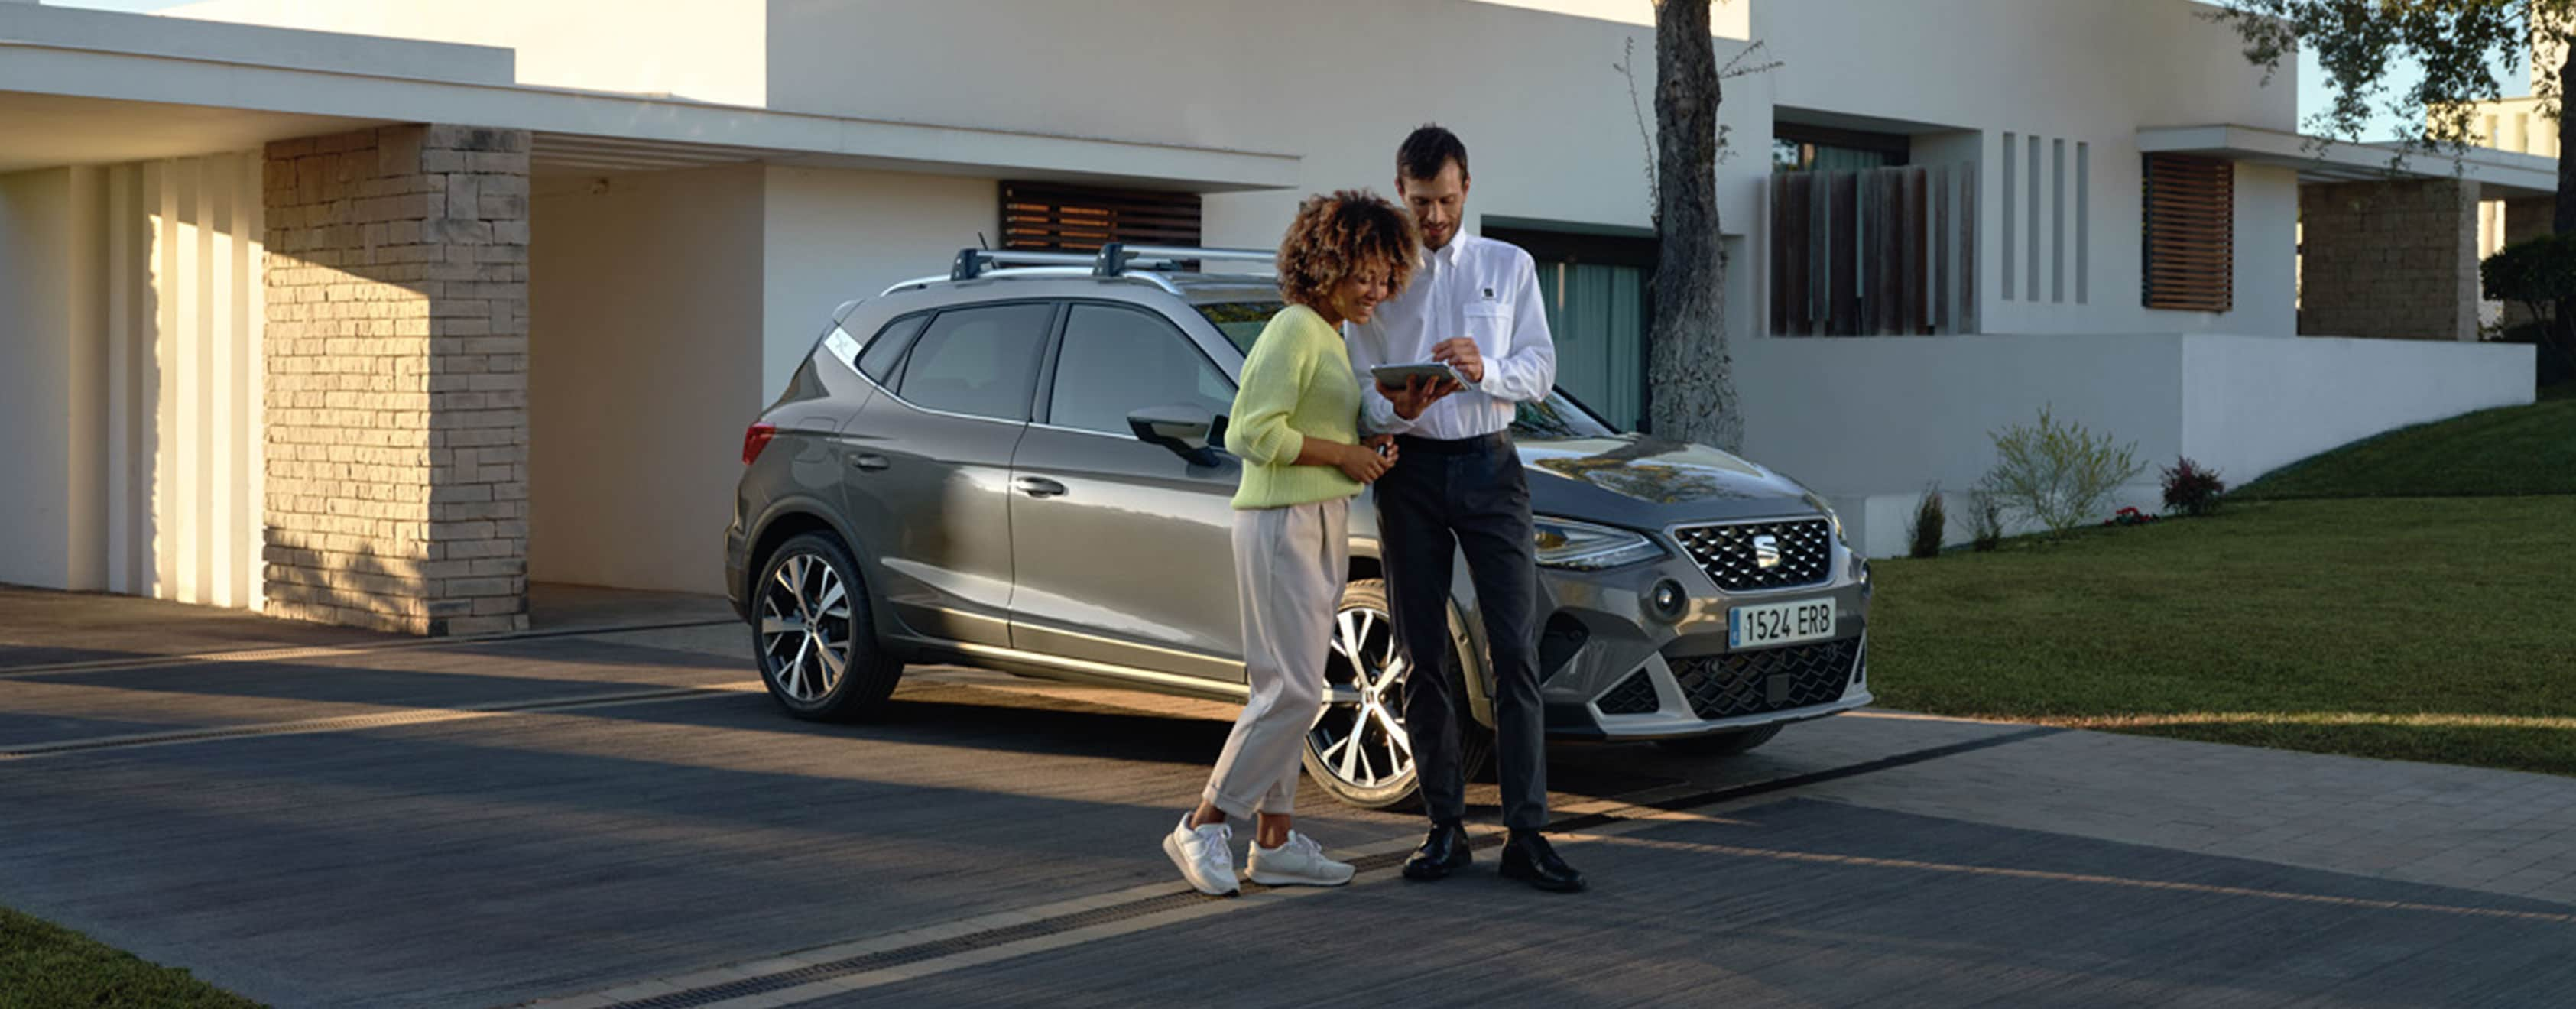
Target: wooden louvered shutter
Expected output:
[1046,215]
[2190,233]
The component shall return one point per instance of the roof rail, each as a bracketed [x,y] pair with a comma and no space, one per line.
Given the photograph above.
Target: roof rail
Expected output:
[1116,257]
[1112,260]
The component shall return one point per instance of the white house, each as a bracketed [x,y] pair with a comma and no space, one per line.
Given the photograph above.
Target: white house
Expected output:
[374,310]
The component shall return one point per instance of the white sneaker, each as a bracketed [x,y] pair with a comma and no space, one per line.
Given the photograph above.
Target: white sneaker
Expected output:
[1300,862]
[1204,855]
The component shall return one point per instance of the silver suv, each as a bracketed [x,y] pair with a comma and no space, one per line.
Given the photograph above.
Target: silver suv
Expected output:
[1019,466]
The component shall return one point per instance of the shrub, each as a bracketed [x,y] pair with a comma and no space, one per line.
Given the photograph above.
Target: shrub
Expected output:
[2191,489]
[2540,275]
[2057,474]
[1930,523]
[1985,520]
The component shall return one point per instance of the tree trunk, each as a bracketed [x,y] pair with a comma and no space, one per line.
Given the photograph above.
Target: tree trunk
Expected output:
[1691,395]
[2563,219]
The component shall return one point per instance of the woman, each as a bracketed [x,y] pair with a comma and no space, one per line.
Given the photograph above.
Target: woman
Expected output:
[1295,424]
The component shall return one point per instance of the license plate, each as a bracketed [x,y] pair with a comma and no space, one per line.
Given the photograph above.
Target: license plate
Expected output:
[1779,623]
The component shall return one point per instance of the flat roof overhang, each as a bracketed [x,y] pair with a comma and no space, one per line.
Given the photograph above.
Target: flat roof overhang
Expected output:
[2499,174]
[67,104]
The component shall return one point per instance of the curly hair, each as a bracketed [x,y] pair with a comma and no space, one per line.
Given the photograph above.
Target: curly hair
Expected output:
[1335,236]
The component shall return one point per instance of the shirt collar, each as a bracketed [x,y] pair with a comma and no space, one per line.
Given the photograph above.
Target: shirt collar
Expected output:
[1448,254]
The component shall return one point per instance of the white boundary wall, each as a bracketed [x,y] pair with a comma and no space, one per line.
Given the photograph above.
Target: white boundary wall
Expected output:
[1868,422]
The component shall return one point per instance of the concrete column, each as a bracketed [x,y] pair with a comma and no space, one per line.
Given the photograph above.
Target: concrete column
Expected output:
[397,379]
[2395,260]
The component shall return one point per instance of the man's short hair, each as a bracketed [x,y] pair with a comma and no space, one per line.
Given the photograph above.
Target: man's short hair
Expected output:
[1428,148]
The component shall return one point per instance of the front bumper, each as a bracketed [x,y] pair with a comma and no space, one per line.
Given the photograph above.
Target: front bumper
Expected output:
[1612,668]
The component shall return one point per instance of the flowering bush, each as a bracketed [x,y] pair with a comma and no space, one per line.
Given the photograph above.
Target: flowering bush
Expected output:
[2128,517]
[2190,488]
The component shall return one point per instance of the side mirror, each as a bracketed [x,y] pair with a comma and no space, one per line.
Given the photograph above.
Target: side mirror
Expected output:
[1189,431]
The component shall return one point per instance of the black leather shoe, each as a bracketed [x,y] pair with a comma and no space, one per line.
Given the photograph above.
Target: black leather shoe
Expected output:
[1443,852]
[1529,858]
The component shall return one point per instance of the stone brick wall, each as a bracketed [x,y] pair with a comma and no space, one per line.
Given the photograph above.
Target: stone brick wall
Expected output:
[396,401]
[2395,260]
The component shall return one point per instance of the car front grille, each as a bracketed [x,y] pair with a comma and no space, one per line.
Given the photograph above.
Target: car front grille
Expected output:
[1633,696]
[1773,679]
[1802,553]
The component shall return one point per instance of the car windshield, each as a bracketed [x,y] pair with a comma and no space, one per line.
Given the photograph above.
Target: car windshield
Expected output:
[1558,416]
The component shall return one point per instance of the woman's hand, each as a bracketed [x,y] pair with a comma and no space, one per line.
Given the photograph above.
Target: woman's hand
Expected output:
[1366,463]
[1417,395]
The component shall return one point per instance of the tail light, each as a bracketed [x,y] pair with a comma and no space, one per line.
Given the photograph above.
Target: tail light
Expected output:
[756,438]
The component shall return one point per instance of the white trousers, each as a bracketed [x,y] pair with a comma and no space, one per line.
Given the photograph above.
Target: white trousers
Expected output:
[1289,565]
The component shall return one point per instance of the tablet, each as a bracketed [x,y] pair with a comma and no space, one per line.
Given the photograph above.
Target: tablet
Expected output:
[1397,374]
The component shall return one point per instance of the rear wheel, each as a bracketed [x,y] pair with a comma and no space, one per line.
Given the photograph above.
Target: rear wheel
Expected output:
[1722,744]
[1359,749]
[810,629]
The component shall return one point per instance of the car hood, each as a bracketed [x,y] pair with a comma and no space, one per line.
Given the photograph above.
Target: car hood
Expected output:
[1646,482]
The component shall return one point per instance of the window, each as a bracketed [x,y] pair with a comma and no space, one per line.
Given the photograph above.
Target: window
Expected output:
[1797,147]
[878,361]
[1045,215]
[982,362]
[1240,321]
[2190,233]
[1117,360]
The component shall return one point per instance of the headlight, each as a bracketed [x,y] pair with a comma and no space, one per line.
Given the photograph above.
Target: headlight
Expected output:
[1581,546]
[1819,504]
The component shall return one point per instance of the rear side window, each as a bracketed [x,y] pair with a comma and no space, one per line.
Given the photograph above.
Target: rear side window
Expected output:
[883,352]
[982,362]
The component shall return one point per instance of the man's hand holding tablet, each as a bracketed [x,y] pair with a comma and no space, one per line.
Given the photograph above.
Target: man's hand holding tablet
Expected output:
[1411,388]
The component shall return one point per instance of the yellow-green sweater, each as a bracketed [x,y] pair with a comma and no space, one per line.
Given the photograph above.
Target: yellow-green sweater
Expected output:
[1297,384]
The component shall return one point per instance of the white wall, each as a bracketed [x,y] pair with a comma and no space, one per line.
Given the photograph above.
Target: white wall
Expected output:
[1547,123]
[37,346]
[644,356]
[2088,72]
[832,235]
[1868,422]
[708,50]
[2253,405]
[132,387]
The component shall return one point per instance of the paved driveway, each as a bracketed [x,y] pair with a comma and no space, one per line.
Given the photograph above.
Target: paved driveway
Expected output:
[611,817]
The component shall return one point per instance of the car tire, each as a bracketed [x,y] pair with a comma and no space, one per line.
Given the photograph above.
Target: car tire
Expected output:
[809,613]
[1380,773]
[1721,744]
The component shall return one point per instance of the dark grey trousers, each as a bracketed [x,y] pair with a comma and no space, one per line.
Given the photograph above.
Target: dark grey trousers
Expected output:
[1469,496]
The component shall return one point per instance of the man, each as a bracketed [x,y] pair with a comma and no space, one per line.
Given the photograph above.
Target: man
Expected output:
[1474,305]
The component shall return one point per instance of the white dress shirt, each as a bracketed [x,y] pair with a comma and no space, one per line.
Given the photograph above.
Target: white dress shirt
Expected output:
[1475,287]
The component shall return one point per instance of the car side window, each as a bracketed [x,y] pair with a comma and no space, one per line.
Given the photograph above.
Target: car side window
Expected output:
[982,362]
[878,361]
[1116,361]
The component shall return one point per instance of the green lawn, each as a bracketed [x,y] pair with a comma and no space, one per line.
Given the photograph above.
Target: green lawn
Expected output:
[44,966]
[2510,450]
[2437,629]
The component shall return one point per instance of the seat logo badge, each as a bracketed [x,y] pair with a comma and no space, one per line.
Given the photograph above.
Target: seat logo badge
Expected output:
[1766,552]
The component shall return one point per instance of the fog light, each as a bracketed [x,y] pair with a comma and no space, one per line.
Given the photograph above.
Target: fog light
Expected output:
[1668,600]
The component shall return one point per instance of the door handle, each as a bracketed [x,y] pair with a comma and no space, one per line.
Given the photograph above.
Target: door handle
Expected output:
[1038,486]
[869,461]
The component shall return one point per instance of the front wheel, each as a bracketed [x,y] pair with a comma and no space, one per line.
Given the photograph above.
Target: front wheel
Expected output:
[1358,749]
[810,628]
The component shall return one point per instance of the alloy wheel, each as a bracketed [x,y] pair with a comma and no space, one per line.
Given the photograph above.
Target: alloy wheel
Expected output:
[805,630]
[1359,735]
